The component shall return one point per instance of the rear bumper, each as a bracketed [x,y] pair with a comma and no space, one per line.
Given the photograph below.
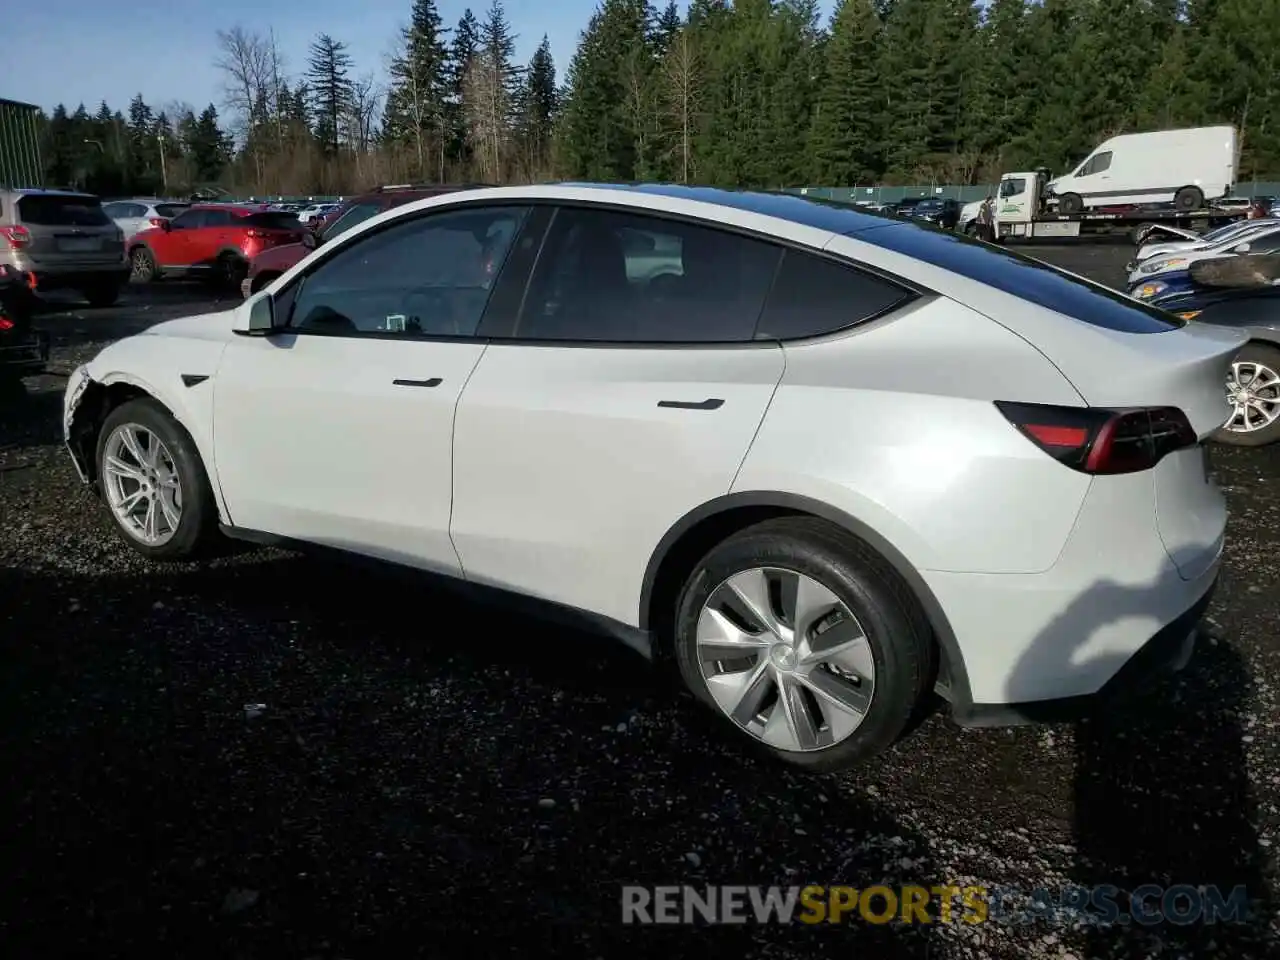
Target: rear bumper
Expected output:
[1165,653]
[27,354]
[84,275]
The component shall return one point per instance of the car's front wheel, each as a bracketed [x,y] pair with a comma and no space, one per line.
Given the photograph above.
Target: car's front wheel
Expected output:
[1253,393]
[154,483]
[804,641]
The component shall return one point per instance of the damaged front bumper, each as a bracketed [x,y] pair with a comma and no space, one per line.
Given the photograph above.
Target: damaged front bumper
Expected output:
[77,385]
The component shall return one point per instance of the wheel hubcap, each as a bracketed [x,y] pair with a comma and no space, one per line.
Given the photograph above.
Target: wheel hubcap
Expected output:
[785,659]
[140,479]
[1253,391]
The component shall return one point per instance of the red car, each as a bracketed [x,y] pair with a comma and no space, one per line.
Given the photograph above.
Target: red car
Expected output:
[269,264]
[212,241]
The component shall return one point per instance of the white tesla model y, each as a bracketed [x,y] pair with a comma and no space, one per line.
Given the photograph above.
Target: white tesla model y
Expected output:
[825,461]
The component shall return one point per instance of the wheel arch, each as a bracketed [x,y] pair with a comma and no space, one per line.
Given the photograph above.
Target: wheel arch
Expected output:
[699,530]
[105,393]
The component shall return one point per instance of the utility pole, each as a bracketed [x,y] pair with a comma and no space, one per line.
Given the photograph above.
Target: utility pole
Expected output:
[164,170]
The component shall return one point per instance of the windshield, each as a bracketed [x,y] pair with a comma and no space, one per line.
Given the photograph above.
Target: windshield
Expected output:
[357,214]
[1247,235]
[1221,233]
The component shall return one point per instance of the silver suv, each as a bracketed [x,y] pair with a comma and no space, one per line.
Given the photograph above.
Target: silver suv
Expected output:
[65,240]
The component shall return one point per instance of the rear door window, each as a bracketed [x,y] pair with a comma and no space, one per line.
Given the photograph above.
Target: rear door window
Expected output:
[218,218]
[1023,277]
[44,210]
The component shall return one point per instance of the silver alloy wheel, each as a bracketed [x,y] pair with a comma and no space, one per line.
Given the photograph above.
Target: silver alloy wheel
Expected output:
[140,479]
[1253,390]
[785,659]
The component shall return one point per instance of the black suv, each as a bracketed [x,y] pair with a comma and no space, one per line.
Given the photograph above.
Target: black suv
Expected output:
[23,350]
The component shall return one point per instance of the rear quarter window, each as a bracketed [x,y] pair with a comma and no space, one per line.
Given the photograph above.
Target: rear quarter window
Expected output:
[272,221]
[1022,277]
[813,295]
[55,211]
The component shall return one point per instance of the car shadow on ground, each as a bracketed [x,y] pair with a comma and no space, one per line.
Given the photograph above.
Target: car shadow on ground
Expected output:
[29,418]
[274,755]
[1162,793]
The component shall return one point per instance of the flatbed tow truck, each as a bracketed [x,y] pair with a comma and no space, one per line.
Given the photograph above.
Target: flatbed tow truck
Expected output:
[1024,212]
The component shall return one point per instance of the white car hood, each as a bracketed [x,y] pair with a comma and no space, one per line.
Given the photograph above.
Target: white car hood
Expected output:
[1169,246]
[214,327]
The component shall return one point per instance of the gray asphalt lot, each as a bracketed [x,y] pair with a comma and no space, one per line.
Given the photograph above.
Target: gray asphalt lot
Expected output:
[274,756]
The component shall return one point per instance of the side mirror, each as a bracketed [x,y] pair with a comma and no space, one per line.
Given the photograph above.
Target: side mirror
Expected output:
[257,317]
[310,240]
[1241,248]
[166,225]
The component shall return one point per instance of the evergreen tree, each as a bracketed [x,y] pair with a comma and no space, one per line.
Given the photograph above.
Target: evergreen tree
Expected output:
[329,76]
[415,107]
[845,140]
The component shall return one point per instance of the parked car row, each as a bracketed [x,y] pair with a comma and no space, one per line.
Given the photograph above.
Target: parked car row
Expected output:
[1228,277]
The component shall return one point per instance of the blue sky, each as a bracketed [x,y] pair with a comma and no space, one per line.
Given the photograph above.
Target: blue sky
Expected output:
[73,51]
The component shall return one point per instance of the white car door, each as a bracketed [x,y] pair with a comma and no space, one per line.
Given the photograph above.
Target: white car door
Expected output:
[626,394]
[337,430]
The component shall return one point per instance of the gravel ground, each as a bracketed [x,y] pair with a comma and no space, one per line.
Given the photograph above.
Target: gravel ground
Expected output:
[266,757]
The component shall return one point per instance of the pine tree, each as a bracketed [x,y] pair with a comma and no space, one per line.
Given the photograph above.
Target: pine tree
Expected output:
[845,142]
[329,76]
[415,107]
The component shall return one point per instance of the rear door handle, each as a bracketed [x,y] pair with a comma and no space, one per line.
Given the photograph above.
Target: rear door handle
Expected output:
[433,382]
[711,403]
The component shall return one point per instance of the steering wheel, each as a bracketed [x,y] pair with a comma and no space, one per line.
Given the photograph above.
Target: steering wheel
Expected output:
[432,309]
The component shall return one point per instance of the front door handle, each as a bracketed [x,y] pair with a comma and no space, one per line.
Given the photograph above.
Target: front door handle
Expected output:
[711,403]
[433,382]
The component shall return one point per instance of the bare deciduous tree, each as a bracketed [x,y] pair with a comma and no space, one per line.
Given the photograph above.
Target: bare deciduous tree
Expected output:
[679,81]
[487,110]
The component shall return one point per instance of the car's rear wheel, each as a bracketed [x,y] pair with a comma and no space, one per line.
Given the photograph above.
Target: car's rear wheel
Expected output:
[143,265]
[805,642]
[154,483]
[230,271]
[261,281]
[1253,393]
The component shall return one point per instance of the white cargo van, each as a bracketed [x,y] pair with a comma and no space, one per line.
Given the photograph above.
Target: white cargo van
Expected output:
[1183,167]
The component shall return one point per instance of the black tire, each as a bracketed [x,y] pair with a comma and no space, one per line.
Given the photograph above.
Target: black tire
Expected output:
[1188,198]
[1138,236]
[198,525]
[1070,203]
[102,295]
[231,269]
[143,265]
[261,280]
[900,637]
[1269,357]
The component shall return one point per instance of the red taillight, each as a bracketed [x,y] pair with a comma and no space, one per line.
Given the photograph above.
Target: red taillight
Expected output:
[157,221]
[6,323]
[1099,440]
[16,236]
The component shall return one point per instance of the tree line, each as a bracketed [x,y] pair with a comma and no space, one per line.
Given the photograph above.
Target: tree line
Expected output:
[751,93]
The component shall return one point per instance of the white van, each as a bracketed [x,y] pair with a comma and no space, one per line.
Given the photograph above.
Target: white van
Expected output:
[1183,167]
